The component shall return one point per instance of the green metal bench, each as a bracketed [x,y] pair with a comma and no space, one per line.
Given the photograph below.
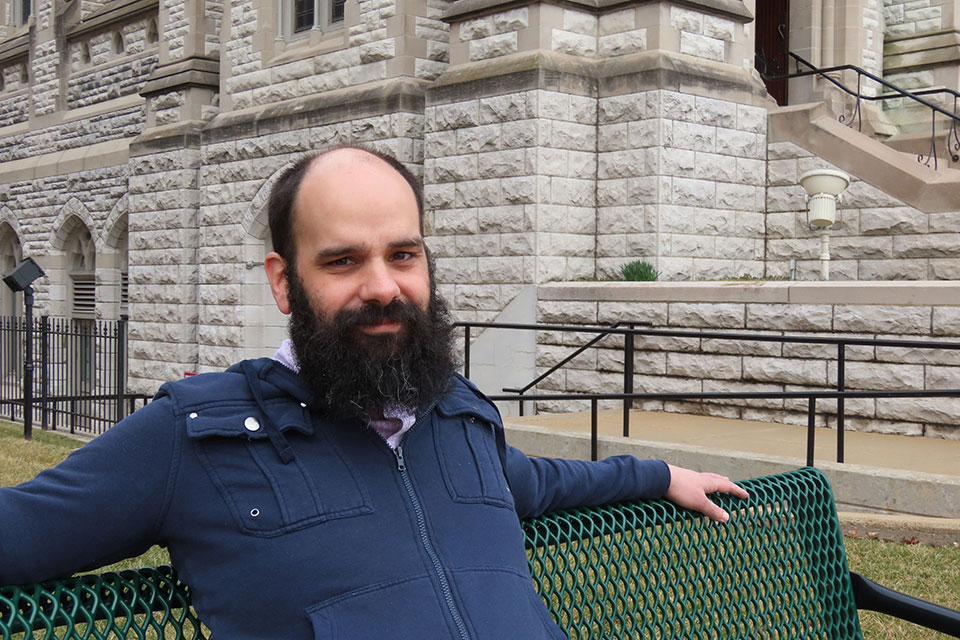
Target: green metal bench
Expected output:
[633,570]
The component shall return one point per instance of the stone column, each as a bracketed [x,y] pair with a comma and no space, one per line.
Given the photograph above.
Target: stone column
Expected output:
[510,155]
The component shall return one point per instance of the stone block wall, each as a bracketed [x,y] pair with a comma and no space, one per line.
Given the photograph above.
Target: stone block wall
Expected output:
[111,125]
[682,364]
[510,181]
[98,72]
[235,317]
[703,35]
[877,237]
[681,184]
[914,17]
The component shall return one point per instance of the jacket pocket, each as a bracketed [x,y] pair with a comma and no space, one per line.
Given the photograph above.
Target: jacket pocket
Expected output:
[267,497]
[503,604]
[472,471]
[408,609]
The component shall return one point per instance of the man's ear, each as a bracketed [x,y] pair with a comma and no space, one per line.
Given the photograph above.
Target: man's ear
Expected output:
[276,268]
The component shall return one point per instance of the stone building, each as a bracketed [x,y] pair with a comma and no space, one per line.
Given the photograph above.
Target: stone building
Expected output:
[557,140]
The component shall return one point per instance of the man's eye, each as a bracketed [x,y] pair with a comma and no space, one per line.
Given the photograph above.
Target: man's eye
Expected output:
[401,256]
[340,262]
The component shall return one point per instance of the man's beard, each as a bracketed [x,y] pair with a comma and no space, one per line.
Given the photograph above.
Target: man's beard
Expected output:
[354,374]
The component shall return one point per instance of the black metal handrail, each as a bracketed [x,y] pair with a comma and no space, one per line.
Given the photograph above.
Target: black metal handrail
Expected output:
[629,332]
[898,92]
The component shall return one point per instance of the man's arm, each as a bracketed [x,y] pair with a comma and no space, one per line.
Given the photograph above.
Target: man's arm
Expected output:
[540,485]
[102,504]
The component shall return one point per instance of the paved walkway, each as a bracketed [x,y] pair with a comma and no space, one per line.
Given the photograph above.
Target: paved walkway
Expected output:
[908,453]
[862,451]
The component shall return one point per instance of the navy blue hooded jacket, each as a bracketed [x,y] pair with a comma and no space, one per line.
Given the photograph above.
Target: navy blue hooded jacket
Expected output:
[288,524]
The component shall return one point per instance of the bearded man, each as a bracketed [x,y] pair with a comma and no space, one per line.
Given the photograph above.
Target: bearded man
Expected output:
[351,487]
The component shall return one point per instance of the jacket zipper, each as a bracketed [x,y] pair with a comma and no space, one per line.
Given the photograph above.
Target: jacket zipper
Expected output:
[427,545]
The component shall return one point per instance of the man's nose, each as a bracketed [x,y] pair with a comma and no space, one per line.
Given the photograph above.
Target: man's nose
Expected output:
[379,285]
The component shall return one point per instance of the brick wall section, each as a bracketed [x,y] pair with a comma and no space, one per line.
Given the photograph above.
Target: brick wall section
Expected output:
[510,181]
[436,33]
[619,34]
[703,35]
[682,182]
[913,17]
[163,241]
[46,84]
[877,236]
[695,365]
[362,60]
[94,85]
[213,10]
[122,123]
[871,54]
[175,29]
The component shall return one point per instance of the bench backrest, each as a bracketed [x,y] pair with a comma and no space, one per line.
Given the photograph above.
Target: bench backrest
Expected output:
[651,570]
[632,570]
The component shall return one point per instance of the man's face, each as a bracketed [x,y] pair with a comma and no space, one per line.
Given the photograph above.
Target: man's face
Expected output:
[357,235]
[367,332]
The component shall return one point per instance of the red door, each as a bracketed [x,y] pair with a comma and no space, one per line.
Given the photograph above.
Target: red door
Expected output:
[773,25]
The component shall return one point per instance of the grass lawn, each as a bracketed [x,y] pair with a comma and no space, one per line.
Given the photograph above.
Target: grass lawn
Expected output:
[924,571]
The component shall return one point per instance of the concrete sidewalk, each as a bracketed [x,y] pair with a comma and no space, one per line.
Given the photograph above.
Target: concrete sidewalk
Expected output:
[894,487]
[908,453]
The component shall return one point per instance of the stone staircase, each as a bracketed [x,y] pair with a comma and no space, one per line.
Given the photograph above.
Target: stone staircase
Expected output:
[890,166]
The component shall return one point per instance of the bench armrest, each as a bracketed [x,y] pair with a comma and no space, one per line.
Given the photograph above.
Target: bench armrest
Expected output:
[874,597]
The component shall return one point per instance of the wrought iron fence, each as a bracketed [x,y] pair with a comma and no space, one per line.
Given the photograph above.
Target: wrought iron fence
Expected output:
[80,373]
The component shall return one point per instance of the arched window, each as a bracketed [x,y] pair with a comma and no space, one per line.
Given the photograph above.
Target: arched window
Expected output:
[152,35]
[10,256]
[118,46]
[81,267]
[85,52]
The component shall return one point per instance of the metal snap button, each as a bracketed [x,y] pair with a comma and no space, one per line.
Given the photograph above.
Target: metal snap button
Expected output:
[251,424]
[254,512]
[193,415]
[303,404]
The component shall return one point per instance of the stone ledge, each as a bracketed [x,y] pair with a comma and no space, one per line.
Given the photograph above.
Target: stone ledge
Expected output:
[112,153]
[644,71]
[901,293]
[111,13]
[941,532]
[386,97]
[463,9]
[192,72]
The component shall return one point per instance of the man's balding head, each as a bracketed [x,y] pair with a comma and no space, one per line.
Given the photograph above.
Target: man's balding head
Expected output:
[282,207]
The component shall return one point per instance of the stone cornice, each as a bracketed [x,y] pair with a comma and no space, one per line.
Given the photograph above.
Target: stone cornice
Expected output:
[190,72]
[111,13]
[463,9]
[389,96]
[602,77]
[13,48]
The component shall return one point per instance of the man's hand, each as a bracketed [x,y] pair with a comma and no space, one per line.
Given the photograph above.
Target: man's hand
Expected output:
[689,489]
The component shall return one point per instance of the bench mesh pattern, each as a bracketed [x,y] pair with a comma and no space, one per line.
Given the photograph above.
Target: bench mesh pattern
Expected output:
[142,604]
[652,570]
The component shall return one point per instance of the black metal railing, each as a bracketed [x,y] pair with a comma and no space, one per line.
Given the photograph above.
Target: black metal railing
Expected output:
[80,373]
[952,142]
[627,397]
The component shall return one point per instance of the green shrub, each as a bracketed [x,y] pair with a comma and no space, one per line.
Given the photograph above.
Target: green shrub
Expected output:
[639,271]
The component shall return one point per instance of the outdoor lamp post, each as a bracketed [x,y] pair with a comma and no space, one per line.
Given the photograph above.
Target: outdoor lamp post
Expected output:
[20,279]
[823,187]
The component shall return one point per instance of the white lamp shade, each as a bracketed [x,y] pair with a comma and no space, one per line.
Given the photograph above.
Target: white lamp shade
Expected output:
[824,181]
